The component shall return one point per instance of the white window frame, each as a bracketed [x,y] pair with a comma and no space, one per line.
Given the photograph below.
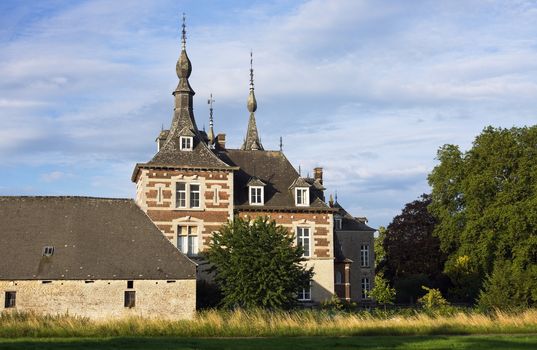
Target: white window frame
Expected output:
[305,294]
[305,196]
[366,287]
[188,243]
[189,143]
[185,191]
[300,239]
[251,191]
[188,195]
[190,191]
[364,255]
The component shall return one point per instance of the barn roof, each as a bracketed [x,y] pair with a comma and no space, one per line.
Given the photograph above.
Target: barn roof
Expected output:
[93,238]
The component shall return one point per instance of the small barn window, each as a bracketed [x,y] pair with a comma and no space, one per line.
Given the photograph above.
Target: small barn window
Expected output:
[130,298]
[130,284]
[48,251]
[11,299]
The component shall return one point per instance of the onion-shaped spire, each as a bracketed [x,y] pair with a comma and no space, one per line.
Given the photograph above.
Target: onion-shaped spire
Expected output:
[252,141]
[183,67]
[252,103]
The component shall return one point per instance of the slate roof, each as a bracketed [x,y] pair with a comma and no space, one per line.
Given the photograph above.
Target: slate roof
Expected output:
[351,223]
[273,168]
[93,238]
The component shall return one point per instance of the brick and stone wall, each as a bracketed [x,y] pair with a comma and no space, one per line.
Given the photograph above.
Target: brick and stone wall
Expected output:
[155,194]
[102,299]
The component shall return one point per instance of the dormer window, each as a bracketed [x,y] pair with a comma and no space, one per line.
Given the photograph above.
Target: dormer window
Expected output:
[256,191]
[185,143]
[302,196]
[337,223]
[256,195]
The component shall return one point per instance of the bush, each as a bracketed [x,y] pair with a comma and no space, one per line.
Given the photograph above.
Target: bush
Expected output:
[433,300]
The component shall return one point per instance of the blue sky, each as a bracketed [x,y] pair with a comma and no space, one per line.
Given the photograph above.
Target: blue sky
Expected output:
[367,89]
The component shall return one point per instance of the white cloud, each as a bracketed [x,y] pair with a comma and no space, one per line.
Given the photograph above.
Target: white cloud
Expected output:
[367,89]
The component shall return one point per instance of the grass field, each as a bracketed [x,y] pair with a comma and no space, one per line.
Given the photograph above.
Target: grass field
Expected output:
[489,342]
[271,324]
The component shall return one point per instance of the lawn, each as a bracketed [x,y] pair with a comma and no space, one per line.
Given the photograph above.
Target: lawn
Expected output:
[488,342]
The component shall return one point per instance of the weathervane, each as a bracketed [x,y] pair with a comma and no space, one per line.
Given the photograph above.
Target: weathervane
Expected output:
[183,37]
[251,70]
[210,103]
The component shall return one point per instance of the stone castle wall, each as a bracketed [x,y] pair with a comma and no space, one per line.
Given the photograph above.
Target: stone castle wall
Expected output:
[102,299]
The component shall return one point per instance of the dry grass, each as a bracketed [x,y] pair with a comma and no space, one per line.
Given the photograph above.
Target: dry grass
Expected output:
[264,323]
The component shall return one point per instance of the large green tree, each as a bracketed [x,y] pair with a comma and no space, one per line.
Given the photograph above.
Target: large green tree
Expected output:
[257,264]
[485,201]
[412,254]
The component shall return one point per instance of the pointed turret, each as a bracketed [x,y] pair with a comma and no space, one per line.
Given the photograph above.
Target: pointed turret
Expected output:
[183,123]
[252,141]
[184,145]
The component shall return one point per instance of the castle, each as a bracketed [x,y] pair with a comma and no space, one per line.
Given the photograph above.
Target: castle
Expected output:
[192,185]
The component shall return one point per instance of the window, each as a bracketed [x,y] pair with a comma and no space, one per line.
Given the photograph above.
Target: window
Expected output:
[337,223]
[256,195]
[130,298]
[366,287]
[180,195]
[130,284]
[364,255]
[11,299]
[187,193]
[305,294]
[339,277]
[302,196]
[185,143]
[194,196]
[187,240]
[303,237]
[48,251]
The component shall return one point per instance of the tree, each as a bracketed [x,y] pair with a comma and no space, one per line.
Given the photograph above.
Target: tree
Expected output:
[379,249]
[257,264]
[412,253]
[382,292]
[485,201]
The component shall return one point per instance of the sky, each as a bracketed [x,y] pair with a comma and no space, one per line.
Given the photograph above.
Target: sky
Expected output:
[367,89]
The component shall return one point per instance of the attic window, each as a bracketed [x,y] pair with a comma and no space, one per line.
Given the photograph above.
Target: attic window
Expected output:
[256,195]
[302,196]
[48,251]
[185,143]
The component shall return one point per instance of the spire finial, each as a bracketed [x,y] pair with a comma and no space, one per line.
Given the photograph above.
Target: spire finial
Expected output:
[299,171]
[336,196]
[281,144]
[211,131]
[183,36]
[251,70]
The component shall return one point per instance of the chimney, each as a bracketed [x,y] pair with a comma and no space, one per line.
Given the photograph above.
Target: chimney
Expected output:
[318,174]
[221,141]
